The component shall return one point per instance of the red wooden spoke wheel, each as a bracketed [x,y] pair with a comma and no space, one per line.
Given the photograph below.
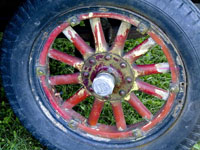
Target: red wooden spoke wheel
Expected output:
[110,75]
[101,88]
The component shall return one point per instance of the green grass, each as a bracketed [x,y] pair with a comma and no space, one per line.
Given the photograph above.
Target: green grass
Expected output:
[13,136]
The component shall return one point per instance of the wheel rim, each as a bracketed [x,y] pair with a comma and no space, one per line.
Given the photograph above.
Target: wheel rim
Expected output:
[76,121]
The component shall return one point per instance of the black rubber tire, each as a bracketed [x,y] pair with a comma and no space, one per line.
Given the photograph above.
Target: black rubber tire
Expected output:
[180,20]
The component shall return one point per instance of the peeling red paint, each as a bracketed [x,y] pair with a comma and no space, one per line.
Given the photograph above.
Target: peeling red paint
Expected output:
[49,42]
[151,90]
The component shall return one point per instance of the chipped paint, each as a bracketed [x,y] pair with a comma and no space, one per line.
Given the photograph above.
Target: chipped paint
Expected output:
[134,88]
[79,78]
[127,98]
[91,14]
[144,48]
[98,34]
[81,92]
[120,129]
[50,117]
[70,33]
[162,67]
[37,98]
[123,28]
[121,37]
[78,65]
[136,74]
[163,94]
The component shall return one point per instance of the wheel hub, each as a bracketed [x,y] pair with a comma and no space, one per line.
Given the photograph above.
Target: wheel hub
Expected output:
[103,84]
[107,76]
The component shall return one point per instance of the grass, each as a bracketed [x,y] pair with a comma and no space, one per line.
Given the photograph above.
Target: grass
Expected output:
[13,136]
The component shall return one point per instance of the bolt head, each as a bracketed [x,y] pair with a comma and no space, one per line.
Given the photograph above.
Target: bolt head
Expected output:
[122,92]
[123,65]
[107,97]
[128,79]
[86,74]
[91,89]
[74,21]
[107,57]
[103,84]
[92,61]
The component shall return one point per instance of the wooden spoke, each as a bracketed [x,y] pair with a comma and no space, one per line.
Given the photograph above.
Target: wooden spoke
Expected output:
[64,79]
[140,50]
[152,90]
[119,115]
[151,69]
[78,42]
[78,97]
[65,58]
[139,107]
[120,39]
[97,30]
[95,112]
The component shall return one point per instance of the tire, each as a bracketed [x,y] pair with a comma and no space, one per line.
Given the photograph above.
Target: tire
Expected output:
[22,73]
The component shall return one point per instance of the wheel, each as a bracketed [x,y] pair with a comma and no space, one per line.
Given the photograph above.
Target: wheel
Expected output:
[97,89]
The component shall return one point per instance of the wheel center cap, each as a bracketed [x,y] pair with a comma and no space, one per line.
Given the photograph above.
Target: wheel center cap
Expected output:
[103,84]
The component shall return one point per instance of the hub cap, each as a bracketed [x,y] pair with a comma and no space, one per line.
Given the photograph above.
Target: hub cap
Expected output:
[103,84]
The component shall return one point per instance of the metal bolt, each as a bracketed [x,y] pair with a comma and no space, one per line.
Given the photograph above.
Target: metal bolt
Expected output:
[143,28]
[73,124]
[103,84]
[92,61]
[107,57]
[122,92]
[137,133]
[91,89]
[86,74]
[128,79]
[74,21]
[40,72]
[174,87]
[107,97]
[123,65]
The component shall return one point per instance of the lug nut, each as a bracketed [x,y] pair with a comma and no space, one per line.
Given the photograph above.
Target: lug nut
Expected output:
[91,61]
[86,74]
[107,97]
[123,65]
[91,89]
[128,79]
[122,92]
[107,57]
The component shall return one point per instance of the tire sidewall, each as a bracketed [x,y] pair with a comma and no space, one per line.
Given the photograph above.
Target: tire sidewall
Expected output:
[44,127]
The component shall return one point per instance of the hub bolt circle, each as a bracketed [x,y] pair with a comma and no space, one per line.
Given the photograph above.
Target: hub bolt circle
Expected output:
[128,79]
[107,97]
[122,92]
[123,65]
[92,61]
[108,57]
[86,74]
[91,89]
